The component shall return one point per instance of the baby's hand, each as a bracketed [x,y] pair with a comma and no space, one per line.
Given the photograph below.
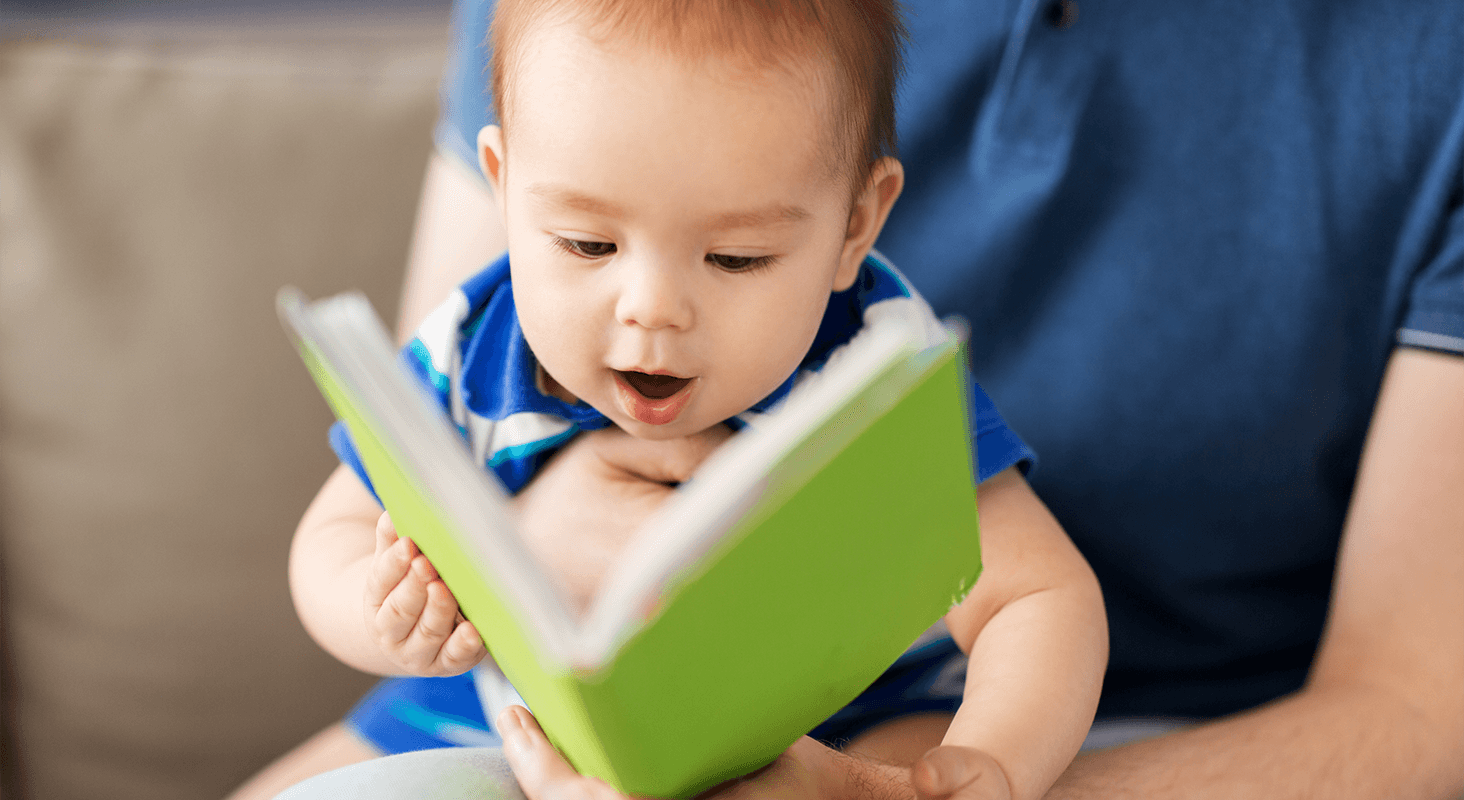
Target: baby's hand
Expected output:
[959,773]
[411,614]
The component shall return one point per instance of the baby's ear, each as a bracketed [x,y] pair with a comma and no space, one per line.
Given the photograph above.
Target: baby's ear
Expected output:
[867,218]
[490,157]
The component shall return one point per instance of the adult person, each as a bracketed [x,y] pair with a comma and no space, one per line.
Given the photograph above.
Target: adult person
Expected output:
[1215,259]
[1214,256]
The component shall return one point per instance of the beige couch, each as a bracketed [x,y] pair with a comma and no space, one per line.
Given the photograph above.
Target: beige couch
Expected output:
[158,437]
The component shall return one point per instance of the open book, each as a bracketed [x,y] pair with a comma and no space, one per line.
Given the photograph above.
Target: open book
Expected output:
[795,566]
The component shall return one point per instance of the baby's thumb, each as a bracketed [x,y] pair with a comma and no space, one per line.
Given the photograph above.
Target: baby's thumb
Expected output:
[386,534]
[942,771]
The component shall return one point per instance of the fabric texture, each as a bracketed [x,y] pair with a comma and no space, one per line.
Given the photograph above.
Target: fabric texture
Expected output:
[402,715]
[1187,238]
[159,439]
[461,773]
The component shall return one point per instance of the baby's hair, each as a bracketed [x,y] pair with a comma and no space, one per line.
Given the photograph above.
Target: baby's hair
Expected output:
[857,41]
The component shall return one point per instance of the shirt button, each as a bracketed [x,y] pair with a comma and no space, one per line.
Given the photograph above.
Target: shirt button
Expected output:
[1061,14]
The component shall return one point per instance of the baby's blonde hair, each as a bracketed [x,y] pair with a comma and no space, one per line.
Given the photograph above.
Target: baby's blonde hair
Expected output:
[858,40]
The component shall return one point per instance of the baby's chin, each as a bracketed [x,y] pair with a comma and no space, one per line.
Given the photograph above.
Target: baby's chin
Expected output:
[679,429]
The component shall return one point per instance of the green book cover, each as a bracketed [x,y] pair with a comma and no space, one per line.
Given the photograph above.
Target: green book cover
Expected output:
[780,581]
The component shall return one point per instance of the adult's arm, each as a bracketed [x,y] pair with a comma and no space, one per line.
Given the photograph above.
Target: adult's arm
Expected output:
[457,232]
[1382,713]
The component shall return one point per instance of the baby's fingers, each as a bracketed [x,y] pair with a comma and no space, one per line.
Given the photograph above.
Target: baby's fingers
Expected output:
[386,534]
[388,568]
[438,618]
[428,651]
[397,617]
[464,649]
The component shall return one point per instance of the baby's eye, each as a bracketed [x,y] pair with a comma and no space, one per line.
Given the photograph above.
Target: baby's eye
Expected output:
[585,249]
[738,263]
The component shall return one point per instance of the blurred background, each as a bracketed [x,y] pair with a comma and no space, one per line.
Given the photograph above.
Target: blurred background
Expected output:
[164,168]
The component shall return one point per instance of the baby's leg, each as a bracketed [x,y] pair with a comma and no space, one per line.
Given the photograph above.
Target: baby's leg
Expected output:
[400,715]
[336,746]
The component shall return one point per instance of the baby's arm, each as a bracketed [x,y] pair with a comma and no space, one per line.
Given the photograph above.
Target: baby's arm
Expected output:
[368,597]
[1035,629]
[349,571]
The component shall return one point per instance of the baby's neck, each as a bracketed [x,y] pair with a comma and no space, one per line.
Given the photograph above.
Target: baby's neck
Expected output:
[551,388]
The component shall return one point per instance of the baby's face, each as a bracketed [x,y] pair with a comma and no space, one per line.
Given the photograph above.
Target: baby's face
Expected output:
[674,232]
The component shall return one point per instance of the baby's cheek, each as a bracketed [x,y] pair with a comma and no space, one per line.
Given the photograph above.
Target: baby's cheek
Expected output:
[761,370]
[779,346]
[557,332]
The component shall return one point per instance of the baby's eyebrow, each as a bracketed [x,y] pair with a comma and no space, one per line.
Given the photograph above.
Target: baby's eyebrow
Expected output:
[576,200]
[732,220]
[759,218]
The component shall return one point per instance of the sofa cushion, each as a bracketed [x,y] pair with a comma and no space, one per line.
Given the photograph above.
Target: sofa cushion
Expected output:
[158,436]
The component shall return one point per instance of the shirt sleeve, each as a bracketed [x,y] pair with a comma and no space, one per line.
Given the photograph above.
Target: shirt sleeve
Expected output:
[345,450]
[995,446]
[465,103]
[415,359]
[1435,316]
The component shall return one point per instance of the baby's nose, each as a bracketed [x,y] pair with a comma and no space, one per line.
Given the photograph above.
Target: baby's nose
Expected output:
[655,296]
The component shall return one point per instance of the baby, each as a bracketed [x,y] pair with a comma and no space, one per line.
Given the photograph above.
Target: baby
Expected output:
[691,192]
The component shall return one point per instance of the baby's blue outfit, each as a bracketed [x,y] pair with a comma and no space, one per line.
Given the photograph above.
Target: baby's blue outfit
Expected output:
[472,355]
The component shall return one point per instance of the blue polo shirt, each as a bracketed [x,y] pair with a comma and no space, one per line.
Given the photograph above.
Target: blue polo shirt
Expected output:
[1187,237]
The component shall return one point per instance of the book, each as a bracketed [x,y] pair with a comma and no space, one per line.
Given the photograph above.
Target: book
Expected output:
[795,566]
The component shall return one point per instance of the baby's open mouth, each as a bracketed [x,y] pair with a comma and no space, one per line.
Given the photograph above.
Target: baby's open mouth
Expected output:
[653,387]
